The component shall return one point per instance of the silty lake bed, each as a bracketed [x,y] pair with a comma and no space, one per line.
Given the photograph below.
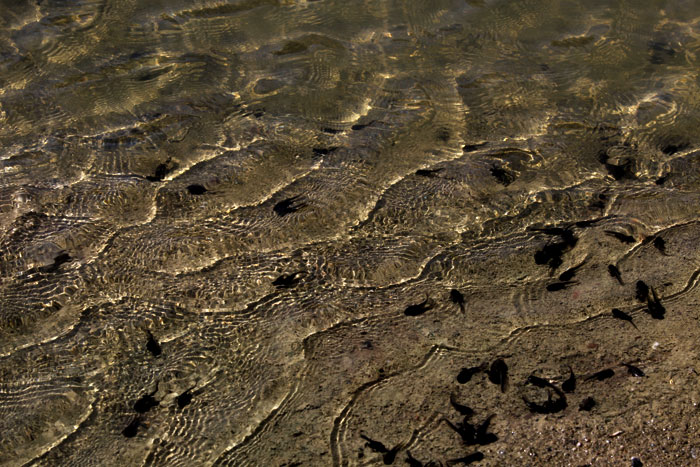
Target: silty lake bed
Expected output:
[291,233]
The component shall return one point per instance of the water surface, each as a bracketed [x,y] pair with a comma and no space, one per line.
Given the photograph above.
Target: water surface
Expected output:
[231,208]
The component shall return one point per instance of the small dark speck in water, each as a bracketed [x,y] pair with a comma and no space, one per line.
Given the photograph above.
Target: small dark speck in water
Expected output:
[184,399]
[660,51]
[196,189]
[504,176]
[498,374]
[443,134]
[419,308]
[132,428]
[602,375]
[465,374]
[614,272]
[660,244]
[457,298]
[428,172]
[634,371]
[473,147]
[570,384]
[324,151]
[587,404]
[671,149]
[642,291]
[152,345]
[661,180]
[286,281]
[288,206]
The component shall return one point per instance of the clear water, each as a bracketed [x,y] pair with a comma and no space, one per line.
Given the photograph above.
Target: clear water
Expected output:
[168,166]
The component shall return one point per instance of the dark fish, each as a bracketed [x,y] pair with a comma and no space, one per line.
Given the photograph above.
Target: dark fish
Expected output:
[619,314]
[146,402]
[661,180]
[587,404]
[654,306]
[570,273]
[331,131]
[642,292]
[457,297]
[462,409]
[196,189]
[614,272]
[132,428]
[570,384]
[324,151]
[419,308]
[498,373]
[660,245]
[288,206]
[428,172]
[412,461]
[602,375]
[375,446]
[473,147]
[152,345]
[622,237]
[550,406]
[505,177]
[57,262]
[184,399]
[636,462]
[286,281]
[466,373]
[556,286]
[466,460]
[633,370]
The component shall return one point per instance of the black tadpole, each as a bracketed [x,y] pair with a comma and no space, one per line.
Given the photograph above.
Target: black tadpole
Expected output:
[196,189]
[184,399]
[614,272]
[498,374]
[457,297]
[570,384]
[152,345]
[619,314]
[465,374]
[419,308]
[132,428]
[642,291]
[288,206]
[602,375]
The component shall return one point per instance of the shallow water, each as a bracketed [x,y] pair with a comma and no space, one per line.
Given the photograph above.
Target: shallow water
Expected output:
[243,201]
